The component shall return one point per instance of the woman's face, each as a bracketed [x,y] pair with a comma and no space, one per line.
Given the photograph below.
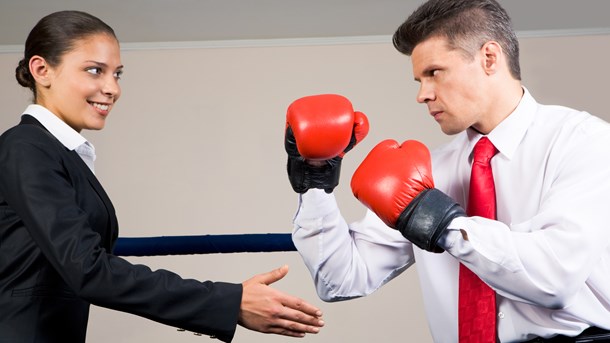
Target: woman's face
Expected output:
[84,87]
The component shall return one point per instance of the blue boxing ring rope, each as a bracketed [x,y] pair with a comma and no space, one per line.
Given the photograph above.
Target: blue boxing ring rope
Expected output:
[205,244]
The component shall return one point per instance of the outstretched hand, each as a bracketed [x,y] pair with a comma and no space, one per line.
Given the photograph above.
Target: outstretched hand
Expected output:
[268,310]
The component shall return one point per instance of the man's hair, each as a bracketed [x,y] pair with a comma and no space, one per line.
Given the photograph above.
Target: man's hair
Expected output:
[466,24]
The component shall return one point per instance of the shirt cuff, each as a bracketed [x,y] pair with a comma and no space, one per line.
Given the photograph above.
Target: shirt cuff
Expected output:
[453,238]
[316,203]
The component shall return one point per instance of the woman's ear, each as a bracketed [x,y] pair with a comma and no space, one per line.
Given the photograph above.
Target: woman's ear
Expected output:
[40,70]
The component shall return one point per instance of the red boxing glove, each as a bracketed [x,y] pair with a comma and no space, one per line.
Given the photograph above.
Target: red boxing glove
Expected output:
[395,181]
[323,125]
[391,176]
[320,128]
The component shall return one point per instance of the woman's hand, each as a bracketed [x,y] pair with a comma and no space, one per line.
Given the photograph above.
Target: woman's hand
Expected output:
[267,310]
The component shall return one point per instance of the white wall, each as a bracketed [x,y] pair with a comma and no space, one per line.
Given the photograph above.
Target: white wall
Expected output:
[195,146]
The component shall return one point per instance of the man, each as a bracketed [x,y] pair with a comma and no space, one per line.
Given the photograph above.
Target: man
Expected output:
[541,246]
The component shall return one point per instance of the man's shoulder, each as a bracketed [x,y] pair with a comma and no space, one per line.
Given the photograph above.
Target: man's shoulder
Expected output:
[571,122]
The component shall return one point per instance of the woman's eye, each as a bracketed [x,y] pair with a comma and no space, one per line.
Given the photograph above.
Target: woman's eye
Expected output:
[118,74]
[94,70]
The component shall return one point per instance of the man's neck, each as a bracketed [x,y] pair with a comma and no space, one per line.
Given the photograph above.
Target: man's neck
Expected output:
[504,103]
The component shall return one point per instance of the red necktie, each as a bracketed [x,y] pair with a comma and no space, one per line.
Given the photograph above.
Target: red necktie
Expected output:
[477,301]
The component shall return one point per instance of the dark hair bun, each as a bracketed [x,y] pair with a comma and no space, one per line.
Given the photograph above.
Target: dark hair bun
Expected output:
[23,75]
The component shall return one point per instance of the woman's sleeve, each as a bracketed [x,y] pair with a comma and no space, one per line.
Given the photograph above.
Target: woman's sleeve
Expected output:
[37,186]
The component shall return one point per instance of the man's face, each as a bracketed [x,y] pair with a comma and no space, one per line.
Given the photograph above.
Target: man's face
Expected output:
[451,84]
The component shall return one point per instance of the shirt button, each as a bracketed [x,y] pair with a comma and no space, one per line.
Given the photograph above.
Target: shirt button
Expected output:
[501,315]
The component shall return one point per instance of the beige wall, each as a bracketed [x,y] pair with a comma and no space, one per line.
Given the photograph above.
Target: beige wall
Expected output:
[195,146]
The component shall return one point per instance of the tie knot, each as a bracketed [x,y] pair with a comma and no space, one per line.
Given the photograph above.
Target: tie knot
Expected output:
[484,150]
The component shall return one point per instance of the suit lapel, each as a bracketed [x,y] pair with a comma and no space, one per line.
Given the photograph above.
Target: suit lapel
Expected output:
[95,184]
[93,181]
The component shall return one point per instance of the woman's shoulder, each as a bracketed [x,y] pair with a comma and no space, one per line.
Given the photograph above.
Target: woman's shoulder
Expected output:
[28,135]
[26,131]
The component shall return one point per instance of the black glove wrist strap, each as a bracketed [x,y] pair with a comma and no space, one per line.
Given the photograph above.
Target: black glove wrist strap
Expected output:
[304,176]
[426,218]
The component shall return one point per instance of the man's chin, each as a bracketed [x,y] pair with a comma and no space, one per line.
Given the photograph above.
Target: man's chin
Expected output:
[450,131]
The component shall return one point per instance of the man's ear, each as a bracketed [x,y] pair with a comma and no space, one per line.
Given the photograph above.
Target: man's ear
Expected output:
[492,55]
[40,70]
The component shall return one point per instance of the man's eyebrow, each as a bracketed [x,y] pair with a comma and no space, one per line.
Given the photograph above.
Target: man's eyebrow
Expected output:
[427,71]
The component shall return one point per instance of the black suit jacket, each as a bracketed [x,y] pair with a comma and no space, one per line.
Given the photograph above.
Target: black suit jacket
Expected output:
[57,229]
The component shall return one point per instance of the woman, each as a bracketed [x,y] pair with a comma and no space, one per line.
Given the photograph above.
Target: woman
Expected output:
[58,227]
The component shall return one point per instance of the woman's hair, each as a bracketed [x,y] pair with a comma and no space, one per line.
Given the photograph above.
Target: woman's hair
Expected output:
[53,36]
[466,24]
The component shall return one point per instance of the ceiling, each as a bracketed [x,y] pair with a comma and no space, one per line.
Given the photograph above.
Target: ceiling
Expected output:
[148,21]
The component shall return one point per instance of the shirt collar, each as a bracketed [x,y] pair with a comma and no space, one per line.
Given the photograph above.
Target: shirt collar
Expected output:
[509,133]
[57,127]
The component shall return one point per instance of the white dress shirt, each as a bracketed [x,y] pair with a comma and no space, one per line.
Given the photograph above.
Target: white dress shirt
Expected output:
[69,137]
[547,256]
